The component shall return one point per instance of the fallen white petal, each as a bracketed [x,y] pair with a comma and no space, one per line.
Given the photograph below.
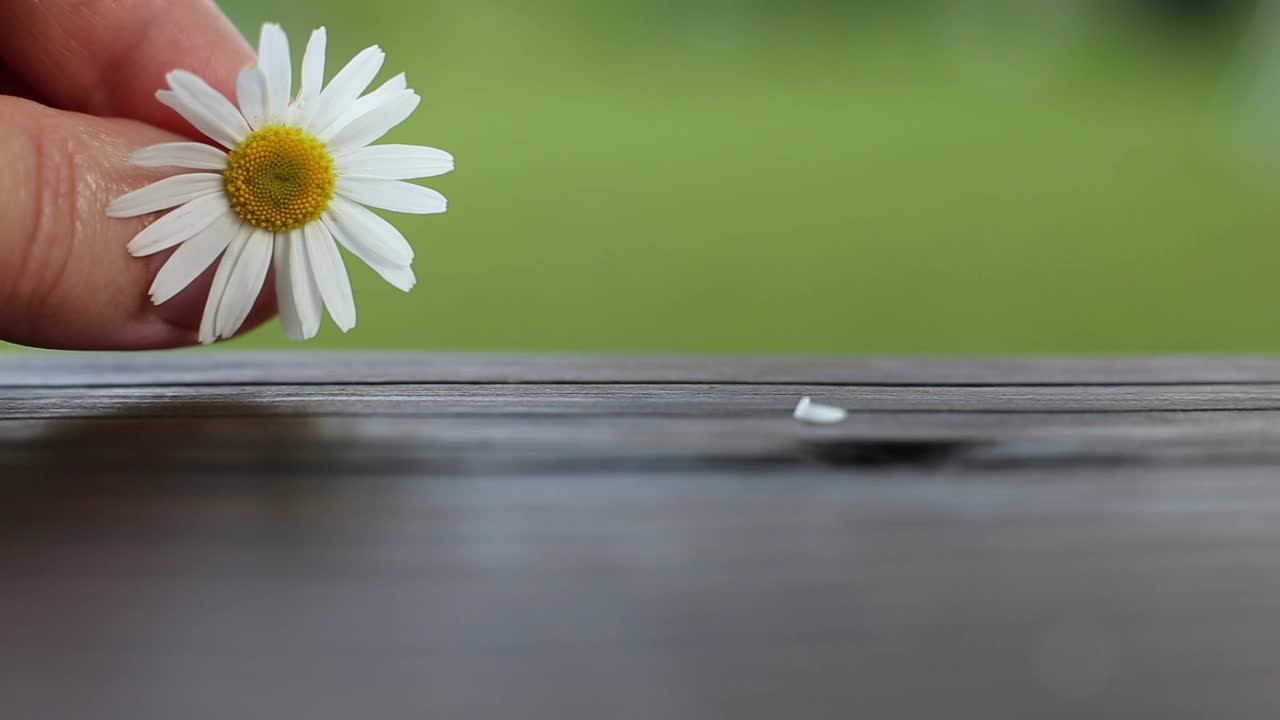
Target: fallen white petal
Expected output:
[809,411]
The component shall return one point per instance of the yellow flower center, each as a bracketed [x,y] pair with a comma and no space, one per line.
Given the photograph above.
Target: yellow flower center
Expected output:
[280,178]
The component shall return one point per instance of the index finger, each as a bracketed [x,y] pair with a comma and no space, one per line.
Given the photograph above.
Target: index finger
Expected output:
[108,57]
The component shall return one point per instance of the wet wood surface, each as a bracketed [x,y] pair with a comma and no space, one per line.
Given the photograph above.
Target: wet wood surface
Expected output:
[322,535]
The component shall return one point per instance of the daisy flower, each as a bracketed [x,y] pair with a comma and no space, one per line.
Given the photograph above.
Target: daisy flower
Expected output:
[290,187]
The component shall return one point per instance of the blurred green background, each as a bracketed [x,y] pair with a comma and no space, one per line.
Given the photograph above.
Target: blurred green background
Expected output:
[820,176]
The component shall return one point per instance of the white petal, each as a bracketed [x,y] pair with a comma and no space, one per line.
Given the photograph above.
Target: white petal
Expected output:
[166,193]
[205,108]
[345,87]
[371,251]
[251,93]
[375,123]
[193,155]
[330,274]
[400,277]
[284,290]
[179,224]
[301,308]
[208,330]
[393,195]
[363,105]
[193,257]
[312,68]
[394,162]
[244,284]
[809,411]
[277,68]
[381,238]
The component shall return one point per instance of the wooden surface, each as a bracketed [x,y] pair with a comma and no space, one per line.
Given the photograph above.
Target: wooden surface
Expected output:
[453,536]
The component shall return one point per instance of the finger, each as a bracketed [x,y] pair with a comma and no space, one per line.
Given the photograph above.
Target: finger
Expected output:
[66,279]
[108,57]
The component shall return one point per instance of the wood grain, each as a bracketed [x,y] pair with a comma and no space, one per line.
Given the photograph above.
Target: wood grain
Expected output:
[211,536]
[300,368]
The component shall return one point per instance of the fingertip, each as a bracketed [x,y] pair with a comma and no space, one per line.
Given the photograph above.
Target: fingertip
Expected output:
[67,279]
[108,57]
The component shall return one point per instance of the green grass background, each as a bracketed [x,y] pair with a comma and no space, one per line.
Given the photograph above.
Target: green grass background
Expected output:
[817,177]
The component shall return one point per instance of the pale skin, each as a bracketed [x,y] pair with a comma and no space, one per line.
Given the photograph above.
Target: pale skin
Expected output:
[77,96]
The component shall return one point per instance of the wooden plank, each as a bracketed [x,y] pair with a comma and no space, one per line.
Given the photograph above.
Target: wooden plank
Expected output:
[623,400]
[818,595]
[321,536]
[571,427]
[213,368]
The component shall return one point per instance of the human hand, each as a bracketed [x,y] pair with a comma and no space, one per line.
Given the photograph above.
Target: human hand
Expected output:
[77,96]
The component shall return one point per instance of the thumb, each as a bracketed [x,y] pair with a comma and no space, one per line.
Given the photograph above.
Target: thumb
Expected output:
[66,278]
